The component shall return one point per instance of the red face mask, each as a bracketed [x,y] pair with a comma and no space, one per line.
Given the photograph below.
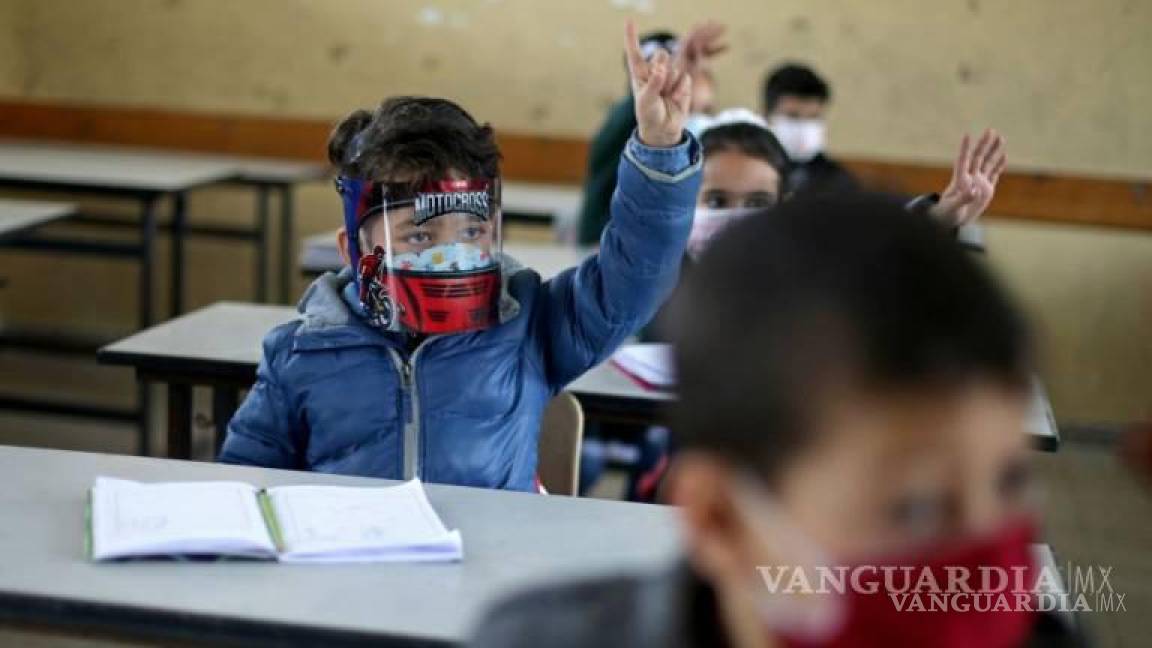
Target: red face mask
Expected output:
[896,607]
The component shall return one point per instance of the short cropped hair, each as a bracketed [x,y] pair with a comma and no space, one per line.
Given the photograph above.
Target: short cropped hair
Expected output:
[794,79]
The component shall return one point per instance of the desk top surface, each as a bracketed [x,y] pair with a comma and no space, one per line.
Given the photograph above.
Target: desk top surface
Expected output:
[510,540]
[222,333]
[227,335]
[103,167]
[278,171]
[530,197]
[19,215]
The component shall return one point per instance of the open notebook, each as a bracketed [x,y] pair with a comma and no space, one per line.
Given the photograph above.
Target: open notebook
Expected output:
[288,523]
[649,365]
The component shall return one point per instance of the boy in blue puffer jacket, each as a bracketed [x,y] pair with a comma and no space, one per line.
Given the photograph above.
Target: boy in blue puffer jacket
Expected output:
[432,355]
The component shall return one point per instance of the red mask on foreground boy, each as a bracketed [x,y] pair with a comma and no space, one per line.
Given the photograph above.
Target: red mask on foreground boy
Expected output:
[434,266]
[972,593]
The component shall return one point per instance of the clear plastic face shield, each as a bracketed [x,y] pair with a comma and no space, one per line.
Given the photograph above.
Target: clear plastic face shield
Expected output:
[427,256]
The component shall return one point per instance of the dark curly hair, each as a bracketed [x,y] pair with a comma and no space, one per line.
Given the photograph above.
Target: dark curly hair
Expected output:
[418,138]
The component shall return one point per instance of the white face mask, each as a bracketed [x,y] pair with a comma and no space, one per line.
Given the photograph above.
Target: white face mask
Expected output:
[811,618]
[697,123]
[709,221]
[803,139]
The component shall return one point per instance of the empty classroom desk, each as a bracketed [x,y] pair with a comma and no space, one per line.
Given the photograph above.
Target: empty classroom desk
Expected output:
[141,176]
[219,347]
[17,217]
[511,540]
[270,176]
[20,216]
[539,202]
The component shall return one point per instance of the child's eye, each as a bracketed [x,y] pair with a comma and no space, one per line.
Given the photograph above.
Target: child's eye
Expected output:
[1014,480]
[918,516]
[418,238]
[472,233]
[760,201]
[716,201]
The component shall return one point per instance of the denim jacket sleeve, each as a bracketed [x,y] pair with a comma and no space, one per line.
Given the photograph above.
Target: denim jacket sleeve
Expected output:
[588,311]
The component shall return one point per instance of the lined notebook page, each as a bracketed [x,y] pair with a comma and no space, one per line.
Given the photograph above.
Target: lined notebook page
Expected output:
[134,519]
[649,364]
[345,524]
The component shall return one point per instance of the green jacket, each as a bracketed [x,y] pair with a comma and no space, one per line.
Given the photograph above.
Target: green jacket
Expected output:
[600,178]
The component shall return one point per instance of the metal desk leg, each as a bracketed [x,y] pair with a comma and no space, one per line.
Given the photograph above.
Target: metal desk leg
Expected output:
[147,238]
[144,398]
[262,198]
[286,236]
[179,421]
[179,207]
[224,402]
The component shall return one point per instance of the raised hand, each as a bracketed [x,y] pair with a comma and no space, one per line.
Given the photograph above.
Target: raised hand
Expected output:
[700,44]
[662,94]
[973,184]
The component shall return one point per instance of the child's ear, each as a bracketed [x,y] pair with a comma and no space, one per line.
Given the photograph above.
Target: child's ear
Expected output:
[713,533]
[342,243]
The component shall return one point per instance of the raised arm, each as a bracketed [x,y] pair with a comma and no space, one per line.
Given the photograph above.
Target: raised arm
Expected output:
[589,310]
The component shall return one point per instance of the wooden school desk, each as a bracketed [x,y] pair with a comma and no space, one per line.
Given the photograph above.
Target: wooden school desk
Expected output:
[511,540]
[219,347]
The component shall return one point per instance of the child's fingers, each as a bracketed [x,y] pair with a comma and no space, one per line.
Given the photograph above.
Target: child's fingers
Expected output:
[681,85]
[676,74]
[960,165]
[978,154]
[659,60]
[682,95]
[657,76]
[993,154]
[636,64]
[713,49]
[994,177]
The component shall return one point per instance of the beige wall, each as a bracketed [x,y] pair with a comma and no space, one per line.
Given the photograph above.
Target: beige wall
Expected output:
[1066,81]
[12,50]
[1089,293]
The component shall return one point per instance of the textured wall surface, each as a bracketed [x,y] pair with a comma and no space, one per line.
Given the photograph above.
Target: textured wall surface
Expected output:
[1061,78]
[1089,294]
[1068,82]
[12,50]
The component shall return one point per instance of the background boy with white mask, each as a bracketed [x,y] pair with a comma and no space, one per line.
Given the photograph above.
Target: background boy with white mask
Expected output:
[795,103]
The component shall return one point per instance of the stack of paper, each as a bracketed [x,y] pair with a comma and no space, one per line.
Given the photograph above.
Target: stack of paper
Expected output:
[287,523]
[650,365]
